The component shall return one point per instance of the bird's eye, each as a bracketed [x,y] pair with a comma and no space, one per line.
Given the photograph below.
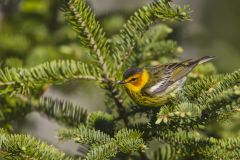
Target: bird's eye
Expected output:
[133,79]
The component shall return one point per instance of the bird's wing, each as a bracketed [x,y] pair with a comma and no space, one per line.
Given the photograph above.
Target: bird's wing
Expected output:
[161,77]
[184,67]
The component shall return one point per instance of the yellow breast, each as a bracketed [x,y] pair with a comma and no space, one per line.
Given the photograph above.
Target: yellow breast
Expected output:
[147,101]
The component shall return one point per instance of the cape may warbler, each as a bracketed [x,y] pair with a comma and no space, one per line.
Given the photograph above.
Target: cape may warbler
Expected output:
[153,86]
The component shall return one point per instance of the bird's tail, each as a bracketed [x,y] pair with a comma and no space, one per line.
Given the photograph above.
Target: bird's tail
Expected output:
[204,59]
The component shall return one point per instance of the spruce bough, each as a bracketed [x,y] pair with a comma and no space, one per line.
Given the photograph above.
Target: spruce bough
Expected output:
[179,128]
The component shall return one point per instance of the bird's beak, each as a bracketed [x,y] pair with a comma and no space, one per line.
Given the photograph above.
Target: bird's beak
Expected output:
[121,82]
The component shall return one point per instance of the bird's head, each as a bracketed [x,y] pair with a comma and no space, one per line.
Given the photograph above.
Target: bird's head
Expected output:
[135,79]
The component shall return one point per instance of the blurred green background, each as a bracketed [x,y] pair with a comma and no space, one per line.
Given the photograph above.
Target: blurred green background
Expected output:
[34,31]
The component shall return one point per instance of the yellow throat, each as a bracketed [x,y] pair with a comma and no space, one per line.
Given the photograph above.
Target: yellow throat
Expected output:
[140,83]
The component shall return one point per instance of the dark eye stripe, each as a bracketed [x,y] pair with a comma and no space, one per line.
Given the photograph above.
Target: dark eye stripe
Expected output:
[133,79]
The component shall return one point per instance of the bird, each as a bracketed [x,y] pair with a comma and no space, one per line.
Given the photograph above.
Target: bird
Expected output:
[154,86]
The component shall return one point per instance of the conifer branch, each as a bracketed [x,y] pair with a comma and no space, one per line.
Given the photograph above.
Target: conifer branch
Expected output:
[168,49]
[84,135]
[14,146]
[202,147]
[91,34]
[62,111]
[217,94]
[95,117]
[116,97]
[142,19]
[156,33]
[165,151]
[12,109]
[227,82]
[222,104]
[175,125]
[129,140]
[104,151]
[101,121]
[101,145]
[154,46]
[18,80]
